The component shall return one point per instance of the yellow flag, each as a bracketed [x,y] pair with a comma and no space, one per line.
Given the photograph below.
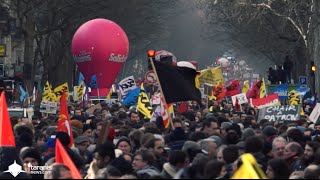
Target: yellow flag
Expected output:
[59,90]
[78,92]
[249,169]
[294,97]
[302,112]
[246,87]
[144,105]
[46,92]
[48,95]
[109,94]
[263,92]
[211,76]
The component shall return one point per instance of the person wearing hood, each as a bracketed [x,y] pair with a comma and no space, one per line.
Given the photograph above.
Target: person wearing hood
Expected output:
[233,134]
[178,136]
[142,164]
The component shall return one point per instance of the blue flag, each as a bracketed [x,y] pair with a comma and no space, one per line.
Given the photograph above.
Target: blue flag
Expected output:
[304,92]
[282,91]
[81,78]
[23,94]
[131,97]
[93,82]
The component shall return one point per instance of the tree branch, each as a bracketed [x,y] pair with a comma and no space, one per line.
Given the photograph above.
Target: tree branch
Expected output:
[299,29]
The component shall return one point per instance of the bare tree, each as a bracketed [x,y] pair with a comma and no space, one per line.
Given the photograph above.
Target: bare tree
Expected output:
[272,27]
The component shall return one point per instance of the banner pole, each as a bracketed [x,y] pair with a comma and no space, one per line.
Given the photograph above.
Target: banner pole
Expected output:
[161,91]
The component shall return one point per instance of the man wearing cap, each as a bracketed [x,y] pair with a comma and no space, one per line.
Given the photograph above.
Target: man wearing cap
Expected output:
[82,143]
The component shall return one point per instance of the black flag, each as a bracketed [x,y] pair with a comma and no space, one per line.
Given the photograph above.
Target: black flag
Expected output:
[178,83]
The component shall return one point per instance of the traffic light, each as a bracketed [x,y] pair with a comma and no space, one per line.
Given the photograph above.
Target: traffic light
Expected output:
[151,53]
[313,68]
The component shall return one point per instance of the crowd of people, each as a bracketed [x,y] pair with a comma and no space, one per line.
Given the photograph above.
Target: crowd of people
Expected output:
[200,143]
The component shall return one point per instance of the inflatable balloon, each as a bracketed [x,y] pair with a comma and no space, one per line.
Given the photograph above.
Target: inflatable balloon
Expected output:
[100,47]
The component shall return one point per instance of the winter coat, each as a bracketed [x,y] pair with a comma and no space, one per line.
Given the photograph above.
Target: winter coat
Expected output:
[168,171]
[147,172]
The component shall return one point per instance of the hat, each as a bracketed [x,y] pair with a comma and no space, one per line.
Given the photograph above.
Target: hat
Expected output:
[248,132]
[190,145]
[240,144]
[35,117]
[225,125]
[269,131]
[81,139]
[216,140]
[209,115]
[123,139]
[31,153]
[301,128]
[76,123]
[235,127]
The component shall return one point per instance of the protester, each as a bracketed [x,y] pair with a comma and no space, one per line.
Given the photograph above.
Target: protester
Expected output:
[198,141]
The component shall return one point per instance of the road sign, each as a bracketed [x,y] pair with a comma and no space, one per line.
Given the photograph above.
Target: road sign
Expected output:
[150,77]
[303,79]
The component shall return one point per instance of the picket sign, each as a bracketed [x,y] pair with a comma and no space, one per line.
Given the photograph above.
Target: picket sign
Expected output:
[48,107]
[242,99]
[315,113]
[126,85]
[280,113]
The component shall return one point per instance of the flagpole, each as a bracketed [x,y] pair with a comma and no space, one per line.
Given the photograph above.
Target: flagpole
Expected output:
[98,94]
[161,91]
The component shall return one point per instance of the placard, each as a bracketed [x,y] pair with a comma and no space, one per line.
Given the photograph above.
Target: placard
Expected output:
[127,84]
[208,88]
[315,113]
[280,113]
[242,99]
[48,107]
[92,108]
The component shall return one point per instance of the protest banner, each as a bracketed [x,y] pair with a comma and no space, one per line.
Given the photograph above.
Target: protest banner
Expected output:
[280,113]
[271,100]
[48,107]
[242,99]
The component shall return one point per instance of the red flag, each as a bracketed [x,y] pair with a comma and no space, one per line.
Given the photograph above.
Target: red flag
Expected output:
[237,105]
[183,107]
[63,157]
[219,92]
[64,120]
[233,88]
[254,93]
[6,134]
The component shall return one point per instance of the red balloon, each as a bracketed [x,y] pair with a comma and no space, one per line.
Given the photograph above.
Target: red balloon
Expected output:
[100,47]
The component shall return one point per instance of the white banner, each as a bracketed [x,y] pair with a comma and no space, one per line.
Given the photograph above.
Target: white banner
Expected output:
[315,113]
[48,107]
[242,99]
[127,84]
